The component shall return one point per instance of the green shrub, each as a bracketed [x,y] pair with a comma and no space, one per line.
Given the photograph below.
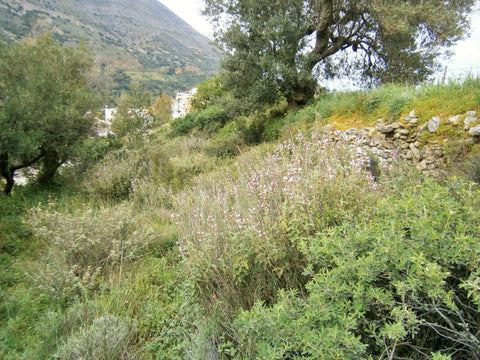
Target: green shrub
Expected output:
[82,245]
[113,177]
[471,168]
[239,229]
[227,142]
[402,283]
[106,339]
[183,125]
[210,119]
[335,102]
[13,234]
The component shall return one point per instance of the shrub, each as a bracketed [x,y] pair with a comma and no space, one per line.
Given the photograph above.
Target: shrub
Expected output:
[106,338]
[210,119]
[112,177]
[401,283]
[83,245]
[471,168]
[239,230]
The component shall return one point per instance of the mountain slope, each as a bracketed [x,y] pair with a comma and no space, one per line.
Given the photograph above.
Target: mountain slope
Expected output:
[142,37]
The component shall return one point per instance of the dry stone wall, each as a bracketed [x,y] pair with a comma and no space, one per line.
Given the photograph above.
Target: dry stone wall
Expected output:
[405,139]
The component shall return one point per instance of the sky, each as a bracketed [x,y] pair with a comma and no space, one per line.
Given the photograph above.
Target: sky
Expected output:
[466,58]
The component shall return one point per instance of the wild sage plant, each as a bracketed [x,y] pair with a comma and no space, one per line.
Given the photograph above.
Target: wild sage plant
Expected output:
[239,230]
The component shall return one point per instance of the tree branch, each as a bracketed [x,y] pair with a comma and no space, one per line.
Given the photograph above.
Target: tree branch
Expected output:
[27,162]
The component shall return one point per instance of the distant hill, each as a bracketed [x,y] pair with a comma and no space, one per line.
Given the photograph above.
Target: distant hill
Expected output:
[139,40]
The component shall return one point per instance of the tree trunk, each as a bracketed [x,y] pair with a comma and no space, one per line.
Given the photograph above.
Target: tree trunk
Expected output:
[51,162]
[299,97]
[7,170]
[6,173]
[9,177]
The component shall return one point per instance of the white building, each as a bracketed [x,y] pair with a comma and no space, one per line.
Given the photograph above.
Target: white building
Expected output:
[181,104]
[109,114]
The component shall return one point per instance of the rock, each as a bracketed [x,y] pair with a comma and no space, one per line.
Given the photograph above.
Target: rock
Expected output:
[467,142]
[366,132]
[415,151]
[471,113]
[402,145]
[433,124]
[474,131]
[469,120]
[438,153]
[454,120]
[422,165]
[413,121]
[402,131]
[388,128]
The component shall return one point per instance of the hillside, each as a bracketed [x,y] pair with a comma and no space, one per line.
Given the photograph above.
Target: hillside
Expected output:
[303,235]
[141,40]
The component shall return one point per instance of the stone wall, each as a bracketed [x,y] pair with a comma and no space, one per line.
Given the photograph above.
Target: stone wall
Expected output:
[405,139]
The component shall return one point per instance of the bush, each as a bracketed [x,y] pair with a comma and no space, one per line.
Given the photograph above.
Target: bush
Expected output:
[471,168]
[401,283]
[240,229]
[106,339]
[113,177]
[83,245]
[209,120]
[227,142]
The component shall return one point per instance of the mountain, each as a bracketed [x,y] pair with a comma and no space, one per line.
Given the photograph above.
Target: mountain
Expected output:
[140,40]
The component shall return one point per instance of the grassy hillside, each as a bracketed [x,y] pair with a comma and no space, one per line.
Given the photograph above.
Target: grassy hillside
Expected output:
[142,37]
[226,237]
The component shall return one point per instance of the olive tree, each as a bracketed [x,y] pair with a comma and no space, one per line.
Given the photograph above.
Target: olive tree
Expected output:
[45,98]
[275,48]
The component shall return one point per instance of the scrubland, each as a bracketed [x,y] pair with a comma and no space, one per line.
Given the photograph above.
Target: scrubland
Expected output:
[223,237]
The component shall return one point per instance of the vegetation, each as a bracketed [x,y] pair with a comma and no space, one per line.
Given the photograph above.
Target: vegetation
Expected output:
[237,232]
[168,244]
[278,49]
[42,120]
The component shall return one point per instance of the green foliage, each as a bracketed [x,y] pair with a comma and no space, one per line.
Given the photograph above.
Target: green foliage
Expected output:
[389,283]
[46,98]
[107,338]
[208,93]
[209,120]
[471,168]
[301,249]
[113,176]
[361,108]
[132,117]
[228,142]
[82,246]
[240,228]
[13,234]
[274,49]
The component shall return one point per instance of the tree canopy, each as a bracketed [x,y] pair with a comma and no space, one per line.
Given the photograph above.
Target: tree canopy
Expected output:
[275,48]
[138,112]
[45,98]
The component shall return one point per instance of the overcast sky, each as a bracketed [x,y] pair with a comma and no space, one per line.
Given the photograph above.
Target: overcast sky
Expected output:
[465,60]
